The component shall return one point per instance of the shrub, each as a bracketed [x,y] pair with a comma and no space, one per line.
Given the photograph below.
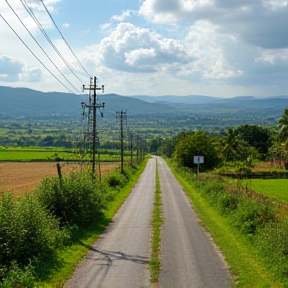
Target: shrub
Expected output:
[27,231]
[115,180]
[76,199]
[17,277]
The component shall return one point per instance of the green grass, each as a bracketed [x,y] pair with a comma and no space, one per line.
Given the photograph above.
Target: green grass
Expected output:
[276,189]
[73,254]
[156,223]
[244,259]
[48,154]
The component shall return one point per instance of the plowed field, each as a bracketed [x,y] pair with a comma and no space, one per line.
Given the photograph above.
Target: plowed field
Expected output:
[20,178]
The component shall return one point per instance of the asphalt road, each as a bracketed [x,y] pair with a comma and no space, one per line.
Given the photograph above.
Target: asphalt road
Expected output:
[188,257]
[119,259]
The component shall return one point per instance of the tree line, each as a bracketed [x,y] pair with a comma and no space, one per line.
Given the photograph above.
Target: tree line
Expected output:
[244,143]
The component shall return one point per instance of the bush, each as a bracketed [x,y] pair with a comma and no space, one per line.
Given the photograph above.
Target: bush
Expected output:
[76,199]
[27,232]
[17,277]
[115,180]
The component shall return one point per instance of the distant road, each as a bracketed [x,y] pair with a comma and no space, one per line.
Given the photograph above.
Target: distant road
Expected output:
[188,257]
[120,258]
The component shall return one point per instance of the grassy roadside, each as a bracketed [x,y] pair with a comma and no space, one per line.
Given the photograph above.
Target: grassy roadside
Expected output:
[73,254]
[244,259]
[156,223]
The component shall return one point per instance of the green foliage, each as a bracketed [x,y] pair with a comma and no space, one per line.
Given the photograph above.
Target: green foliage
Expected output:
[116,179]
[76,199]
[28,233]
[198,144]
[17,277]
[256,136]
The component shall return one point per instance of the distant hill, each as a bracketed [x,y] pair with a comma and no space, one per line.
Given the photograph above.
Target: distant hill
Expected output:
[24,103]
[28,103]
[190,99]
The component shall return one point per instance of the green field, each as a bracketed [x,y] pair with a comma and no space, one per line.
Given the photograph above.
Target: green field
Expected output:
[276,189]
[36,154]
[49,154]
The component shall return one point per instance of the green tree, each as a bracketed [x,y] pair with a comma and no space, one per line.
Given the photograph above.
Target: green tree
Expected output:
[282,129]
[256,136]
[233,148]
[198,144]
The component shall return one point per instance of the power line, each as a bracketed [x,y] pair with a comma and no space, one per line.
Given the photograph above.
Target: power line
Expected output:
[35,55]
[30,12]
[65,39]
[41,47]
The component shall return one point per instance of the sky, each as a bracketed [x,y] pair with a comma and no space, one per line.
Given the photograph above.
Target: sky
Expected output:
[220,48]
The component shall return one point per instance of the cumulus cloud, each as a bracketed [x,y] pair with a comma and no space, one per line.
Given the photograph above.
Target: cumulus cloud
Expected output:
[14,71]
[134,49]
[10,70]
[257,22]
[32,75]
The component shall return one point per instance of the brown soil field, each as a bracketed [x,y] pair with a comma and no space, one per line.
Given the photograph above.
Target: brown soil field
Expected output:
[20,178]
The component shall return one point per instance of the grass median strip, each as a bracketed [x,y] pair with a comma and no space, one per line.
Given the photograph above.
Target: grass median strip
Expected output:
[156,222]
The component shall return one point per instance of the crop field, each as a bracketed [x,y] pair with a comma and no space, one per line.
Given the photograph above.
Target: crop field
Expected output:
[49,154]
[276,189]
[22,177]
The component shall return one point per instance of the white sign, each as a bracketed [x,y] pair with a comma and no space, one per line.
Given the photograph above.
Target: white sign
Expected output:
[198,159]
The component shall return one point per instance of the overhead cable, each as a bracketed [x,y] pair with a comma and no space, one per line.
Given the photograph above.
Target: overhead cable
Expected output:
[41,47]
[30,12]
[35,55]
[65,39]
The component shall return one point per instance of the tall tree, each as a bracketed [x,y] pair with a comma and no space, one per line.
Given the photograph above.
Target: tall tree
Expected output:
[198,144]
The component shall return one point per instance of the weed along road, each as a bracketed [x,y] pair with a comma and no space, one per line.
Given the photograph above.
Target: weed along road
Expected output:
[188,257]
[120,257]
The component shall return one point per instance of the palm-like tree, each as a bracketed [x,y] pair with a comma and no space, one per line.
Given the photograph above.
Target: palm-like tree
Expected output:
[283,126]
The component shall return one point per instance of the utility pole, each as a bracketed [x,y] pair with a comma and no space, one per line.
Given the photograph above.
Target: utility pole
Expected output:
[121,115]
[92,107]
[137,147]
[131,148]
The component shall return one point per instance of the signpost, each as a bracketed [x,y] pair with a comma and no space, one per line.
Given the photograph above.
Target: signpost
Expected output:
[198,160]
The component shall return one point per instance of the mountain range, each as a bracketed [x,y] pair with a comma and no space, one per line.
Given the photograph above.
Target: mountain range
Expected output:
[19,103]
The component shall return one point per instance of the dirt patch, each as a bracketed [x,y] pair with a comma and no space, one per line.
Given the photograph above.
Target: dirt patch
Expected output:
[20,178]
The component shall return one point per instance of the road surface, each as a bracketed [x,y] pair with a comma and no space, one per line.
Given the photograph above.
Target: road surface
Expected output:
[119,259]
[188,257]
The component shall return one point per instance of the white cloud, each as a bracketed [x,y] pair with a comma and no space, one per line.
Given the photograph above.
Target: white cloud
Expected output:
[10,69]
[122,17]
[133,49]
[259,23]
[31,75]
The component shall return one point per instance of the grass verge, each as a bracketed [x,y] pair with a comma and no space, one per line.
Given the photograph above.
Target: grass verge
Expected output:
[73,254]
[244,259]
[156,223]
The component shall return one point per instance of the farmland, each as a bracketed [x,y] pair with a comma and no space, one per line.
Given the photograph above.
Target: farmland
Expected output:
[22,177]
[275,189]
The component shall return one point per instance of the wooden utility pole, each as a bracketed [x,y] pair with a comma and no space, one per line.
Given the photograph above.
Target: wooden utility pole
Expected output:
[121,115]
[131,149]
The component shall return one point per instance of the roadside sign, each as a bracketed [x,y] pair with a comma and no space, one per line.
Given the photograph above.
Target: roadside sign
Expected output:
[198,159]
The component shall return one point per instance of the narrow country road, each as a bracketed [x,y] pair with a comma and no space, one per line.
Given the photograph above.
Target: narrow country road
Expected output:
[188,257]
[119,259]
